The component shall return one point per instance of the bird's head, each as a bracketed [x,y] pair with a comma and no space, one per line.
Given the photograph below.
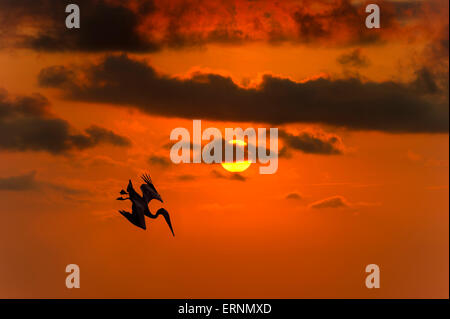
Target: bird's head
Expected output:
[148,189]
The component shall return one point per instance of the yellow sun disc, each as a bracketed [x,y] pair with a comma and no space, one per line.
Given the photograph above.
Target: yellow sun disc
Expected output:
[236,167]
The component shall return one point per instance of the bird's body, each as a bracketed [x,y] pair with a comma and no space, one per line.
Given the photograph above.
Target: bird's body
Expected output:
[140,203]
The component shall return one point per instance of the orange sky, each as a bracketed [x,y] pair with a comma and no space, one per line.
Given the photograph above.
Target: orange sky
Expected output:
[235,238]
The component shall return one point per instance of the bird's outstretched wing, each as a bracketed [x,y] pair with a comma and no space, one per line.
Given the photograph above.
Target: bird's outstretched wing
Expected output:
[130,188]
[166,216]
[134,219]
[138,207]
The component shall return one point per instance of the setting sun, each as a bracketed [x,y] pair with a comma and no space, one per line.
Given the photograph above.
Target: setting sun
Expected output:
[238,166]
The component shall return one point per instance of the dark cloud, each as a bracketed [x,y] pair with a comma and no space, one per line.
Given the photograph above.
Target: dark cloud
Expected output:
[55,76]
[159,160]
[95,135]
[350,103]
[105,25]
[19,183]
[331,202]
[26,124]
[229,176]
[294,196]
[354,58]
[148,26]
[310,144]
[284,152]
[435,61]
[29,182]
[32,105]
[187,177]
[342,22]
[425,82]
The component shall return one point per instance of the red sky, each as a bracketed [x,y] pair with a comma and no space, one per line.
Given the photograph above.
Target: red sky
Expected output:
[382,93]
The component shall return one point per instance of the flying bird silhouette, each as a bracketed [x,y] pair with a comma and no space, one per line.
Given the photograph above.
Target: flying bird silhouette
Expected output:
[139,207]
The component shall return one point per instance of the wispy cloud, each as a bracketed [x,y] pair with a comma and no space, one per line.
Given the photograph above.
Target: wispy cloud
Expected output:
[331,202]
[294,196]
[29,182]
[229,176]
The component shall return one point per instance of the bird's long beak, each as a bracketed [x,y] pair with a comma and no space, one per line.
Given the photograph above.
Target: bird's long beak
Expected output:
[163,212]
